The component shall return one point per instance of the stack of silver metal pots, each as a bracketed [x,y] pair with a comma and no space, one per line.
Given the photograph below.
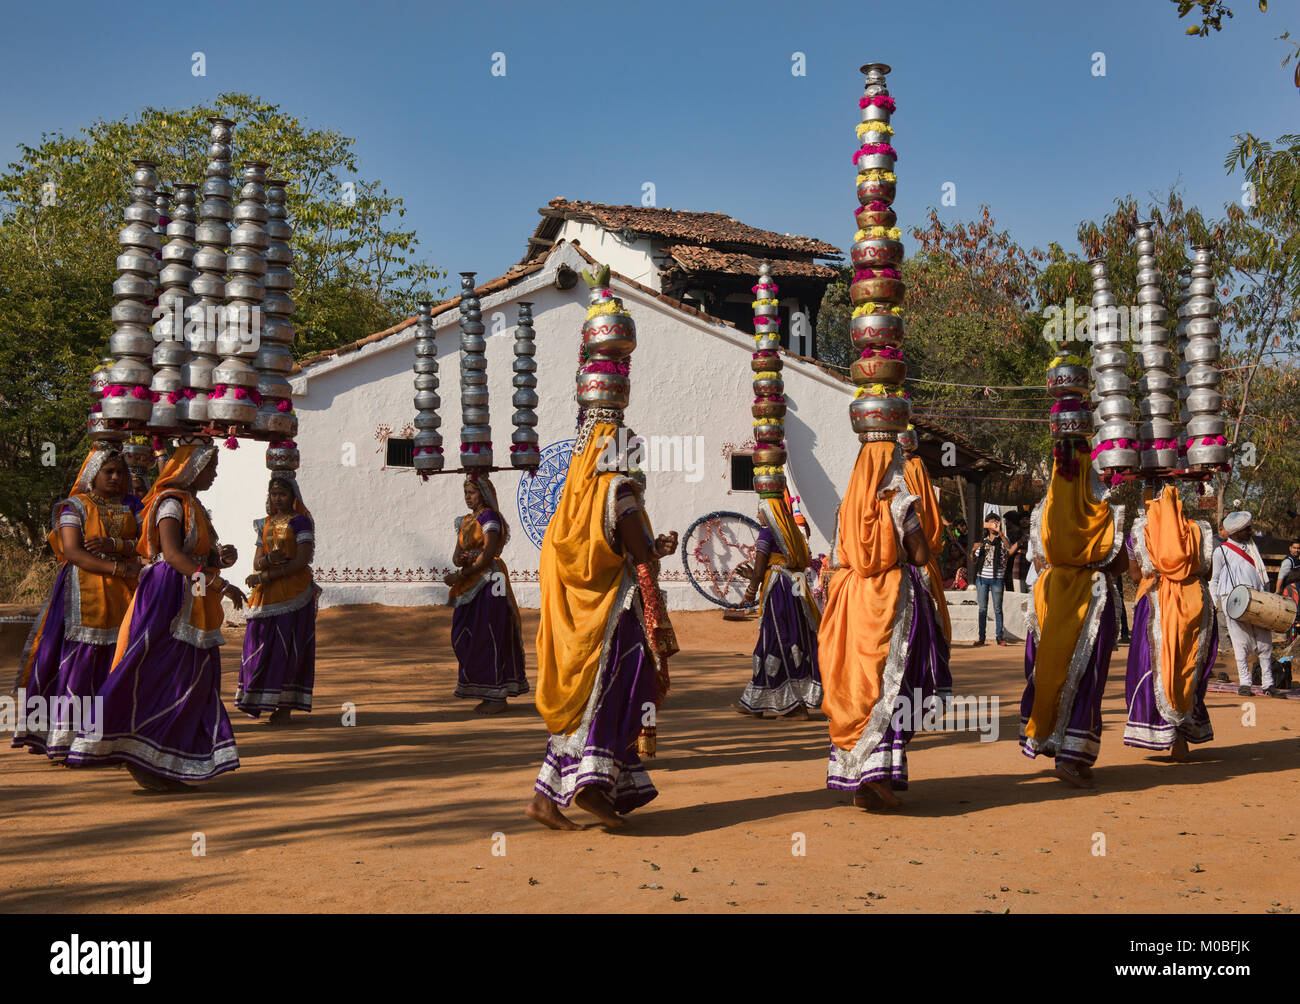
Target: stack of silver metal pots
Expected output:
[878,335]
[1206,445]
[768,408]
[1157,401]
[274,357]
[1180,333]
[128,401]
[475,421]
[524,452]
[1115,442]
[238,341]
[608,339]
[428,441]
[209,284]
[170,352]
[96,424]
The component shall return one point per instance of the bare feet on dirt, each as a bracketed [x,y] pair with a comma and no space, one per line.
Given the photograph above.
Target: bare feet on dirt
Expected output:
[544,811]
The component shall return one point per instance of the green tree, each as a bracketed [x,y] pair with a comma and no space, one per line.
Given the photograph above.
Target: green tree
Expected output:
[61,207]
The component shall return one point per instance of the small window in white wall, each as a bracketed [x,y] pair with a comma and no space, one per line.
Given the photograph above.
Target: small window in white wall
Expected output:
[742,472]
[401,452]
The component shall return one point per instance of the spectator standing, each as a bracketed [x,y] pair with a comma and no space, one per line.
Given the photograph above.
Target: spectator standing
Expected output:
[988,565]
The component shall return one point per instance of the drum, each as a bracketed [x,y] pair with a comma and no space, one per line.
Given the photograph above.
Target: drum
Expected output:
[1268,610]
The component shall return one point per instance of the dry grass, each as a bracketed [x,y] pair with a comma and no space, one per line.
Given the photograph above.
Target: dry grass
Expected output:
[25,577]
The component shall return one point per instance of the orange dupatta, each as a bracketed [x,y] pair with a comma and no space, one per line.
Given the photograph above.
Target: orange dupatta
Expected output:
[582,576]
[927,508]
[1173,547]
[863,603]
[1078,531]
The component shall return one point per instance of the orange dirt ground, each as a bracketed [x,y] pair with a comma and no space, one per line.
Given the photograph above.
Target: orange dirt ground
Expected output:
[403,811]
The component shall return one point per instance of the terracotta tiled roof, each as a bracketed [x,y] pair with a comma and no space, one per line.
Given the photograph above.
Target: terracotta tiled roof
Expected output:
[693,258]
[514,275]
[717,230]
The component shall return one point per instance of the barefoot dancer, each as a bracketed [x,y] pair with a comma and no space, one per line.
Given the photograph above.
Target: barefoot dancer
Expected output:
[604,638]
[70,647]
[485,632]
[1073,621]
[786,679]
[877,634]
[1175,631]
[278,664]
[163,715]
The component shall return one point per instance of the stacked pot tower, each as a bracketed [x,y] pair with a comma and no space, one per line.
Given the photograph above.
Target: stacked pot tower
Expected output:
[203,334]
[880,409]
[1207,446]
[1158,399]
[769,406]
[524,452]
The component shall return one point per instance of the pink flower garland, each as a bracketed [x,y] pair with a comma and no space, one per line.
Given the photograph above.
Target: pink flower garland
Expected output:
[763,285]
[880,101]
[883,351]
[1070,404]
[1114,444]
[620,367]
[523,448]
[421,450]
[283,444]
[284,404]
[232,443]
[238,393]
[475,447]
[1209,441]
[874,148]
[878,273]
[763,319]
[1160,444]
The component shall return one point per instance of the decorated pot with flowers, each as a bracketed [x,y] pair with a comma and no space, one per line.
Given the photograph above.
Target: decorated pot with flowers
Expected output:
[880,413]
[1072,421]
[878,369]
[869,330]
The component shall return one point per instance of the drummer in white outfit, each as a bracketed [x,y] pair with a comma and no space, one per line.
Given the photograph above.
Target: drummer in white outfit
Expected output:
[1237,562]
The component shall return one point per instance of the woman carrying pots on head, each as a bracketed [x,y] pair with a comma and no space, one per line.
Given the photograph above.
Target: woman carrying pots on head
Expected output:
[278,664]
[485,630]
[162,711]
[786,680]
[68,653]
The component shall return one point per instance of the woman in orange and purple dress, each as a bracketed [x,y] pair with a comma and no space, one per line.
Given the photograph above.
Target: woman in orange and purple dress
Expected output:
[68,653]
[485,628]
[162,711]
[278,666]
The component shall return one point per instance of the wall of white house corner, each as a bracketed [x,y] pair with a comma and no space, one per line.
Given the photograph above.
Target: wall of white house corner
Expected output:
[384,536]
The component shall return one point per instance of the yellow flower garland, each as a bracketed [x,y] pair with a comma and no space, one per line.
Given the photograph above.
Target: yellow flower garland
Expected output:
[765,303]
[878,390]
[885,127]
[767,421]
[872,307]
[893,233]
[613,307]
[876,174]
[767,375]
[1068,360]
[763,471]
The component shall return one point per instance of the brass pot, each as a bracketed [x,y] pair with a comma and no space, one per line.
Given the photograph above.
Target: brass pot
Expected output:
[874,369]
[879,289]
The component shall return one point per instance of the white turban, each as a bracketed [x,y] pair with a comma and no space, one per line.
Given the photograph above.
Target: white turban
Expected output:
[1235,521]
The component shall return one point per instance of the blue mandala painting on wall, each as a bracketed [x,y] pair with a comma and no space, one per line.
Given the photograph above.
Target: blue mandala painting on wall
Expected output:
[540,495]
